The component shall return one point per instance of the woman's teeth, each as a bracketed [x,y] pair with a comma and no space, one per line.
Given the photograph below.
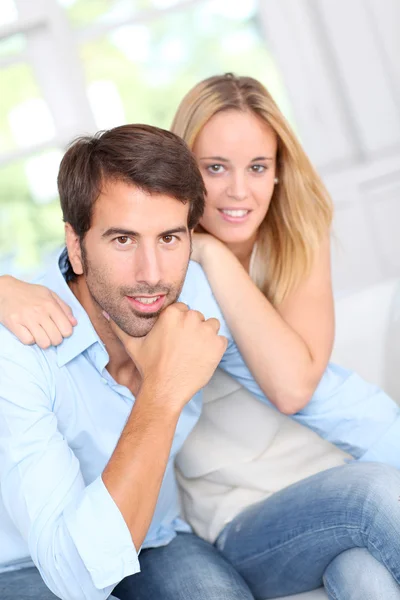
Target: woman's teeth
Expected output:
[235,213]
[148,300]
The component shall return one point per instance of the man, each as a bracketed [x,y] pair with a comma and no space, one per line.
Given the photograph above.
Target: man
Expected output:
[90,429]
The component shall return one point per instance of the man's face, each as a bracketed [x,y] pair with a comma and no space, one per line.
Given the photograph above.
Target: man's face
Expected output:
[135,255]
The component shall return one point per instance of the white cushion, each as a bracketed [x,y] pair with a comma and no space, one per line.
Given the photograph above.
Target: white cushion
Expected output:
[368,334]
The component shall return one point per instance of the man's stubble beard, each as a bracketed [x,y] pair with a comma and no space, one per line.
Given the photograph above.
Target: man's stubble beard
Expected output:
[130,321]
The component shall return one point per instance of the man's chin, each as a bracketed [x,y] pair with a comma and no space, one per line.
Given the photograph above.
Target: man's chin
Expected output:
[138,326]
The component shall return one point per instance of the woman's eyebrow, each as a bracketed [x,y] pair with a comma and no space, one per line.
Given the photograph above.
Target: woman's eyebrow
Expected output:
[219,158]
[222,159]
[262,158]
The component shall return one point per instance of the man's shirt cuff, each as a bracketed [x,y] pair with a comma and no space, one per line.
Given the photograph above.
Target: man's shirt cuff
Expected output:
[101,536]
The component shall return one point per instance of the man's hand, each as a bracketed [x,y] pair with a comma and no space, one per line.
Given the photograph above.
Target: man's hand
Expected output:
[179,355]
[175,360]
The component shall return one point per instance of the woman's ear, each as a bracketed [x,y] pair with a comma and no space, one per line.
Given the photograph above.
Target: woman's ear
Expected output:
[74,249]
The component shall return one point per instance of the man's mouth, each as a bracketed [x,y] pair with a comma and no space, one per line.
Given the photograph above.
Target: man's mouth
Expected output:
[147,304]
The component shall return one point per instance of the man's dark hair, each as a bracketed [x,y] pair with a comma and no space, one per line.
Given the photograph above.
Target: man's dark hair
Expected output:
[153,159]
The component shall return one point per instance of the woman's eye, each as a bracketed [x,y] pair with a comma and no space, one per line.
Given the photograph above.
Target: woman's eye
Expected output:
[215,168]
[258,168]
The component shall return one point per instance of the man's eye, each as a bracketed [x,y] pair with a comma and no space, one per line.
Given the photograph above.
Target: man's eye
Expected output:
[168,239]
[123,240]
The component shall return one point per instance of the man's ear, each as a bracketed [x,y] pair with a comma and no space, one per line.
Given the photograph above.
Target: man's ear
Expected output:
[191,231]
[74,249]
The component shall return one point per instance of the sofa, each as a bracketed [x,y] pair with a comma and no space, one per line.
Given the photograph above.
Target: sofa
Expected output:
[367,340]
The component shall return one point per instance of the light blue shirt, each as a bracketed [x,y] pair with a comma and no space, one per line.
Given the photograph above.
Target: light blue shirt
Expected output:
[61,415]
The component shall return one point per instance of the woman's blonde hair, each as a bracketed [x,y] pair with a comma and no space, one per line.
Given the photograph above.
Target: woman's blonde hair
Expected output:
[300,212]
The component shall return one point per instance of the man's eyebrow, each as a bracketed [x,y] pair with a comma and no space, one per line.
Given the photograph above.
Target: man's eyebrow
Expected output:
[117,231]
[180,229]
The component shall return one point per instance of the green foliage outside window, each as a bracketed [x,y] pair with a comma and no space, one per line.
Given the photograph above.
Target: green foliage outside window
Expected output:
[149,67]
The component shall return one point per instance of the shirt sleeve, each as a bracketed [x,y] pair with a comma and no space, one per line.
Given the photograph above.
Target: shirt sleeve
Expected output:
[346,410]
[355,415]
[76,534]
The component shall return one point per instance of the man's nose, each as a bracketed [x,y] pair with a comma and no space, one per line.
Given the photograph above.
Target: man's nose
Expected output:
[147,265]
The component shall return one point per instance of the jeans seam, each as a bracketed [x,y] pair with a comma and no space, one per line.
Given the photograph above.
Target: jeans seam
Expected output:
[331,591]
[385,562]
[365,531]
[279,547]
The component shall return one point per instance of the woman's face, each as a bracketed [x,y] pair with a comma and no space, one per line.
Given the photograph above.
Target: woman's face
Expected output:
[236,153]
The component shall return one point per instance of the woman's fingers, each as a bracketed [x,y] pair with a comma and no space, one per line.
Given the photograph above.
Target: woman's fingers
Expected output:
[39,335]
[67,311]
[52,330]
[22,333]
[45,324]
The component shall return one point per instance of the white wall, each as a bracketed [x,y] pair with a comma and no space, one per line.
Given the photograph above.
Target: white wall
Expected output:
[340,61]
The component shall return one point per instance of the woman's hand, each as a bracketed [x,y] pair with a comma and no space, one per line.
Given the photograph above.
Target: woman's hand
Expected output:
[203,244]
[33,313]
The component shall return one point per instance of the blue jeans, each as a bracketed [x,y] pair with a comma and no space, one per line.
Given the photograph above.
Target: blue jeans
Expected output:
[340,528]
[188,568]
[24,584]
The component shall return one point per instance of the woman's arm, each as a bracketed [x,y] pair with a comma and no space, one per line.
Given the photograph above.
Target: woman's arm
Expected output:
[34,314]
[288,348]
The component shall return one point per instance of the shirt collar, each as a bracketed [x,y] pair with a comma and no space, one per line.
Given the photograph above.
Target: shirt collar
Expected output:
[84,335]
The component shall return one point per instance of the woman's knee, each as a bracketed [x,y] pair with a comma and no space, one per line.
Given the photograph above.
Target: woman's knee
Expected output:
[377,483]
[368,481]
[356,575]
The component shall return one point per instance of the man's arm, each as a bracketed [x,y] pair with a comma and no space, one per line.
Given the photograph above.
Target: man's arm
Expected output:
[176,359]
[83,539]
[76,534]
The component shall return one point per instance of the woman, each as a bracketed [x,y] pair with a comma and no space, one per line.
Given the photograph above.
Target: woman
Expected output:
[268,262]
[268,206]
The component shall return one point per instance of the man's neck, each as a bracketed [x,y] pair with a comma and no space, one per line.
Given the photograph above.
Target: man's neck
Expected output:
[120,365]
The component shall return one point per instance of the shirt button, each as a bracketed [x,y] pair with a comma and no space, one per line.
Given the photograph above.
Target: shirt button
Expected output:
[104,380]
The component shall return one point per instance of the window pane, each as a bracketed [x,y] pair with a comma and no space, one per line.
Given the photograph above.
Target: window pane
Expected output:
[30,217]
[8,12]
[82,12]
[139,73]
[25,119]
[12,45]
